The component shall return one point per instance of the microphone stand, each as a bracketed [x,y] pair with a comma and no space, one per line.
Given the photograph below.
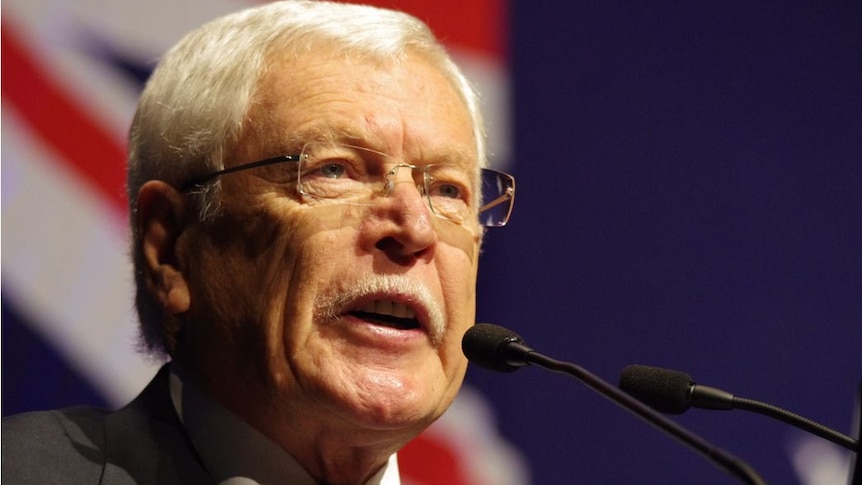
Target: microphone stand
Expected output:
[519,354]
[674,392]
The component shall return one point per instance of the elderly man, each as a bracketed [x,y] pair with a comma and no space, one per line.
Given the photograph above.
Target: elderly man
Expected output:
[308,200]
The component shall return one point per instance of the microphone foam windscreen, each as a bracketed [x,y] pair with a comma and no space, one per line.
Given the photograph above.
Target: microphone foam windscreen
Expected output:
[665,390]
[484,344]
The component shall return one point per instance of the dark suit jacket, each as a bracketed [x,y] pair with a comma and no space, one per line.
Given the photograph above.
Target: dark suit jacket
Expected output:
[142,443]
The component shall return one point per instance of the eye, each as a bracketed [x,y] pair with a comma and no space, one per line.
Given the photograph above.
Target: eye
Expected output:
[332,170]
[448,182]
[449,191]
[448,198]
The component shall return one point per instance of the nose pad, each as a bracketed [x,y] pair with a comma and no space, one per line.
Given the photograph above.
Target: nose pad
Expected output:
[392,174]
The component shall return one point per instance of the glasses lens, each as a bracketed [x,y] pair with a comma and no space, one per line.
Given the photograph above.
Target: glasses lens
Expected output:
[349,174]
[498,196]
[448,188]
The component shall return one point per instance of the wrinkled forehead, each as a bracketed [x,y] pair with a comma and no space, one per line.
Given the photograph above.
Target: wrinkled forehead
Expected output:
[341,99]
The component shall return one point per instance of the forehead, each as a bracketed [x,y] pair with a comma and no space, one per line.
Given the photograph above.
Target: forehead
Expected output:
[403,108]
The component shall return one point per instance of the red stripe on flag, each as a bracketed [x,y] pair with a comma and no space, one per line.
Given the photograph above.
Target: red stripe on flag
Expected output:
[60,122]
[428,460]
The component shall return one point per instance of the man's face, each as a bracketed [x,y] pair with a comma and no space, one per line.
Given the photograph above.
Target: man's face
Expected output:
[290,295]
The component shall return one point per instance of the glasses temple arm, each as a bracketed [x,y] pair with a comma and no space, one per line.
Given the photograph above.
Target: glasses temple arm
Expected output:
[499,200]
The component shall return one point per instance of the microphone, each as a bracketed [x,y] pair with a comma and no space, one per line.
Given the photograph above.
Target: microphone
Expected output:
[674,392]
[500,349]
[494,347]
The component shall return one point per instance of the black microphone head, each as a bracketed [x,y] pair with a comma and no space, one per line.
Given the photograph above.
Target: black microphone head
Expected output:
[667,391]
[488,345]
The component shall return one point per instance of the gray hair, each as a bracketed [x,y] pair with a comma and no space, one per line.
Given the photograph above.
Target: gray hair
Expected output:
[190,115]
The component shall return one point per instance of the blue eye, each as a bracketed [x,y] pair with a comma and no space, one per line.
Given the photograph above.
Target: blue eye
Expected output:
[449,191]
[332,170]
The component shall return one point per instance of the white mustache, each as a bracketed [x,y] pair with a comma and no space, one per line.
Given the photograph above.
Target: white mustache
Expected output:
[331,304]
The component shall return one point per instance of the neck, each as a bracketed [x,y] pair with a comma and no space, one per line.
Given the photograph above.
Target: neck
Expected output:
[333,454]
[336,456]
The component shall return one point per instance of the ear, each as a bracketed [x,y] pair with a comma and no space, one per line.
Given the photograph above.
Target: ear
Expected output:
[160,223]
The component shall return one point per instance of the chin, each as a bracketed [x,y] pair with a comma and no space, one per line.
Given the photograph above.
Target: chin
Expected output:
[388,402]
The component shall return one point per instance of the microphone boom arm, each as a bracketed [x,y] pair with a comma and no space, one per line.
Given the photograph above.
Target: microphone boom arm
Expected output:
[518,355]
[794,419]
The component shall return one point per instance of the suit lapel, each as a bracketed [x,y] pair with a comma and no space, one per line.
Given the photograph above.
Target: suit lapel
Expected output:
[146,443]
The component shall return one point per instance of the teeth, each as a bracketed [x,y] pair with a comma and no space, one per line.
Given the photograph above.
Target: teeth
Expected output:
[386,307]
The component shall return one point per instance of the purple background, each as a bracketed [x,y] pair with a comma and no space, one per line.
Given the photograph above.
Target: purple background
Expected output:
[689,196]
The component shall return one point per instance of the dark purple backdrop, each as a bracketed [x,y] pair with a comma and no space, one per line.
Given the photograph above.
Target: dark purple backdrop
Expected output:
[689,196]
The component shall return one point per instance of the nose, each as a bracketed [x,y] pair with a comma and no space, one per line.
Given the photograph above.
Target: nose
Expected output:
[403,225]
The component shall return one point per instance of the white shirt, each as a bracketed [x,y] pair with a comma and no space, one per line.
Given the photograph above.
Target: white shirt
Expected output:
[235,453]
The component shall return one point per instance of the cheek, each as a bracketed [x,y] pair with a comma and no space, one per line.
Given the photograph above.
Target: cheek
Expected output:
[318,245]
[458,257]
[245,267]
[465,239]
[457,266]
[457,269]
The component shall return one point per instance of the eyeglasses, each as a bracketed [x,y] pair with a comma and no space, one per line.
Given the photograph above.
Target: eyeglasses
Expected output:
[355,175]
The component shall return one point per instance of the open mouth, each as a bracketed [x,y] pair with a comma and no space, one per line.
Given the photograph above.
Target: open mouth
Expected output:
[388,314]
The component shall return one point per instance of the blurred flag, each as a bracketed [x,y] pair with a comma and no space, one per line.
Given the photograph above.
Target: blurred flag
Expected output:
[72,72]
